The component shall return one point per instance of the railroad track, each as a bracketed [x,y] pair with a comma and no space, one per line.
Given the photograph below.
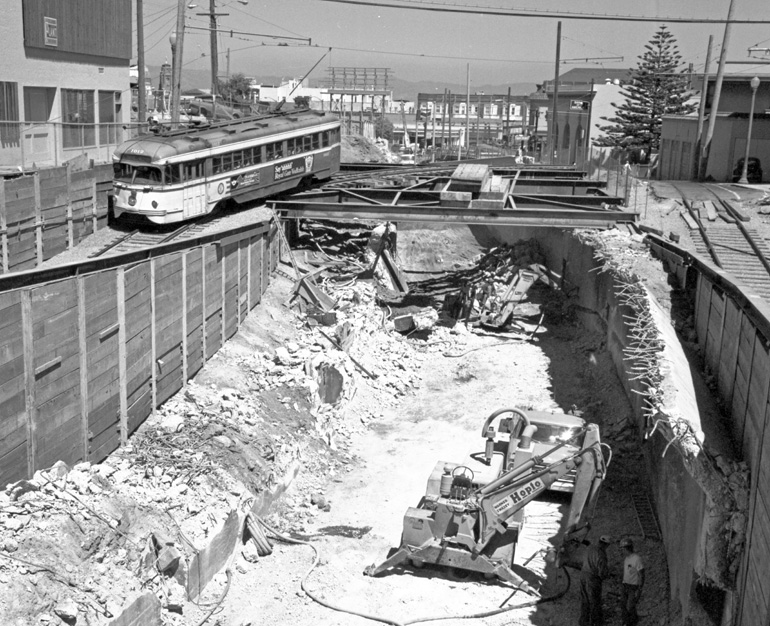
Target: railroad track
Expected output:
[140,239]
[725,238]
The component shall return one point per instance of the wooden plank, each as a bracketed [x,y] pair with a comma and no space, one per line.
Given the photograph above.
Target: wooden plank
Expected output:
[153,336]
[29,378]
[103,417]
[204,290]
[12,365]
[38,221]
[729,351]
[139,410]
[757,399]
[84,396]
[184,319]
[702,309]
[3,229]
[13,422]
[12,464]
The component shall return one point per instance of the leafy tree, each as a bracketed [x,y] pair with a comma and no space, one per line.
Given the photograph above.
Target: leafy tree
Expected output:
[234,88]
[383,127]
[656,88]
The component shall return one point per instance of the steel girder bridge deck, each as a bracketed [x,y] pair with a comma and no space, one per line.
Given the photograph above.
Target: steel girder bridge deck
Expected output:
[468,193]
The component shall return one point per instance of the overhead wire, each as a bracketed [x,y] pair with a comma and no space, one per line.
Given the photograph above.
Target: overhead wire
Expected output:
[423,5]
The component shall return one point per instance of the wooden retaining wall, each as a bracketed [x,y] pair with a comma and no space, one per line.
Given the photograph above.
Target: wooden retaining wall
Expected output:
[86,356]
[45,213]
[733,327]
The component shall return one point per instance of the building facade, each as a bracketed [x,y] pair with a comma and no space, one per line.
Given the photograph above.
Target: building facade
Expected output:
[584,97]
[64,80]
[680,143]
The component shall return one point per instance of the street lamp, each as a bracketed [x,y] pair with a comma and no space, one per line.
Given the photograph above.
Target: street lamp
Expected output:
[744,180]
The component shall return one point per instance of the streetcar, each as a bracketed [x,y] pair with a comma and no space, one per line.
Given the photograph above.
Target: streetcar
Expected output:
[184,174]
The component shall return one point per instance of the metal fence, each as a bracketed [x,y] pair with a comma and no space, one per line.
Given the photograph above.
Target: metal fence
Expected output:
[624,177]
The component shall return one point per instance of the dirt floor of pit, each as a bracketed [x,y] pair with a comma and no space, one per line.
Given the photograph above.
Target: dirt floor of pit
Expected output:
[356,478]
[441,420]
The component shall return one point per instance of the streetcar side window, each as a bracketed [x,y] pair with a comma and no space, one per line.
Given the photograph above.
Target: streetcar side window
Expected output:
[172,174]
[257,154]
[325,139]
[274,151]
[307,143]
[216,165]
[316,141]
[193,170]
[248,156]
[237,159]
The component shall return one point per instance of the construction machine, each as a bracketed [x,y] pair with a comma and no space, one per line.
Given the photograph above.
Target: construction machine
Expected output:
[472,512]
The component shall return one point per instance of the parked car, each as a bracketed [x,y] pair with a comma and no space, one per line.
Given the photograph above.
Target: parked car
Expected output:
[753,172]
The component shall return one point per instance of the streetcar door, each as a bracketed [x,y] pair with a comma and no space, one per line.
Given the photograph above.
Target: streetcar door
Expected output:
[194,194]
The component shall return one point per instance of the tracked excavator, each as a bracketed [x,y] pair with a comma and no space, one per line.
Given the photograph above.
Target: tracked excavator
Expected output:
[471,519]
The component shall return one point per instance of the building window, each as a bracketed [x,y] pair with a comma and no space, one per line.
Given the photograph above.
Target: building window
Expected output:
[9,114]
[110,131]
[78,116]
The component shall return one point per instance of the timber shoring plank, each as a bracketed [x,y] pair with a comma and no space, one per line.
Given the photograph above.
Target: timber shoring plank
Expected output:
[729,352]
[104,417]
[139,410]
[13,462]
[756,401]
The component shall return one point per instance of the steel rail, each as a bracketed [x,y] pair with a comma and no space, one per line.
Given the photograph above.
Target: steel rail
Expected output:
[701,228]
[564,218]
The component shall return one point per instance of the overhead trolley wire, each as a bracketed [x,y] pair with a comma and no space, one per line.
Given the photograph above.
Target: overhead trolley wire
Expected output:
[421,5]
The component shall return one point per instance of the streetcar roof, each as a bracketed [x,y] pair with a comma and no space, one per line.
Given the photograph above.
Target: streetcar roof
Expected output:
[152,148]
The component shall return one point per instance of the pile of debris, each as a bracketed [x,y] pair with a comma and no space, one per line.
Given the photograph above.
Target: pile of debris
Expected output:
[77,543]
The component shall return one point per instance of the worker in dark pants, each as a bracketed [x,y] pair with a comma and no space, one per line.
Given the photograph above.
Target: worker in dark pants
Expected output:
[633,581]
[593,572]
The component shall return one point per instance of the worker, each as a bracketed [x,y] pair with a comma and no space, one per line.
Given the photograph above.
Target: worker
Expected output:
[633,581]
[593,572]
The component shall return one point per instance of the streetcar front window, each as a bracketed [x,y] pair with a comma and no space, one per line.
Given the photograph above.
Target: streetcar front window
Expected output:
[136,174]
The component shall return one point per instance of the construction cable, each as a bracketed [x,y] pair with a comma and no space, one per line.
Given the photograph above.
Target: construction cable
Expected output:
[392,622]
[229,574]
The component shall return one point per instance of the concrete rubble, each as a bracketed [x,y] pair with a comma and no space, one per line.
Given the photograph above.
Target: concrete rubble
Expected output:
[77,544]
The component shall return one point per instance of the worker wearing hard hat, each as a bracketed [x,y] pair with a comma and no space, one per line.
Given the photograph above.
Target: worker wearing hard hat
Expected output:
[593,572]
[633,581]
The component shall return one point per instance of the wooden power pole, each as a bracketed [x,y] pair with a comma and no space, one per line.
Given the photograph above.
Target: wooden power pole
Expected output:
[142,93]
[176,70]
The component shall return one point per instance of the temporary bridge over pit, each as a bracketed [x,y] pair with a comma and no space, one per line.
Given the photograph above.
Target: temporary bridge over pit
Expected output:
[469,193]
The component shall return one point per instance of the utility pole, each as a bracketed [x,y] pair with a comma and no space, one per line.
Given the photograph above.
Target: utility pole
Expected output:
[553,137]
[141,96]
[443,121]
[468,109]
[706,146]
[508,118]
[176,70]
[702,111]
[213,15]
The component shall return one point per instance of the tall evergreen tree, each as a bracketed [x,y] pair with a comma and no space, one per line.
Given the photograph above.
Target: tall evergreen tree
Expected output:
[656,88]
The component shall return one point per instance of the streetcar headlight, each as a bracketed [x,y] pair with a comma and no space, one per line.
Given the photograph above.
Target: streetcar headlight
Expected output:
[154,204]
[131,200]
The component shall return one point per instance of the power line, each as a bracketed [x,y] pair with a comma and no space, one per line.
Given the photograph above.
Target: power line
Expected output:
[422,5]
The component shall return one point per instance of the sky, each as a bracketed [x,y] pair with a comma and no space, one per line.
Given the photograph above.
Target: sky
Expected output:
[420,45]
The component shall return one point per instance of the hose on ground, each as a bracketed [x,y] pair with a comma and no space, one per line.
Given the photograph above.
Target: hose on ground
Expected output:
[260,539]
[221,598]
[386,620]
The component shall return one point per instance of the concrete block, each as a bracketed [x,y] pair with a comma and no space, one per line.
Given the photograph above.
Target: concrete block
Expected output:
[209,561]
[141,610]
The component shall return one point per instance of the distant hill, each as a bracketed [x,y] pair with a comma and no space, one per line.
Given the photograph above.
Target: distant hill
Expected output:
[402,89]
